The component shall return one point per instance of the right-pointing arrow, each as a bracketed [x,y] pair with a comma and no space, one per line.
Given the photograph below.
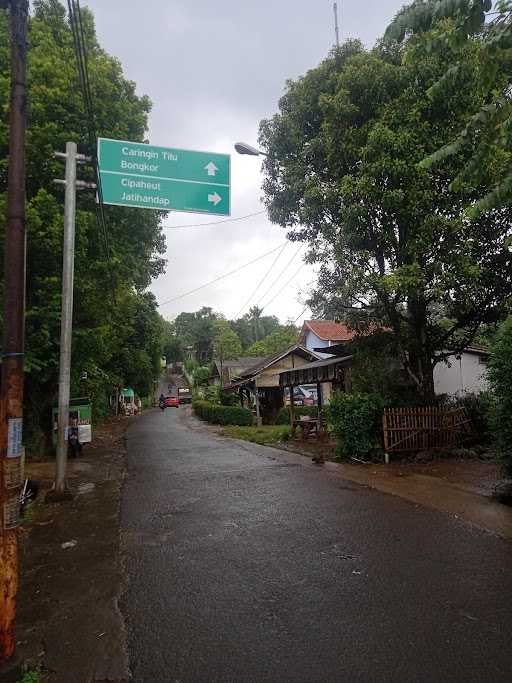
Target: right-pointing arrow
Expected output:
[214,198]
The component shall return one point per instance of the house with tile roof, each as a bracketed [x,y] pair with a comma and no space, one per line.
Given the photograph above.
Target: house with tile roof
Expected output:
[318,334]
[464,373]
[259,384]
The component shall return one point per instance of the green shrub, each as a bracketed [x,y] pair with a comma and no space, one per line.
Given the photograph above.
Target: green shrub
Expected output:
[211,394]
[500,378]
[356,423]
[229,398]
[283,416]
[201,375]
[222,415]
[190,366]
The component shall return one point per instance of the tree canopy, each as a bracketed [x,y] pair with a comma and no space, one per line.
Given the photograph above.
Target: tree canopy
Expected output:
[483,142]
[117,331]
[394,246]
[278,341]
[226,342]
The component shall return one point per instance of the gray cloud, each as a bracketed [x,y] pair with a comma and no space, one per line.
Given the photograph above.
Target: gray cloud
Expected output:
[213,71]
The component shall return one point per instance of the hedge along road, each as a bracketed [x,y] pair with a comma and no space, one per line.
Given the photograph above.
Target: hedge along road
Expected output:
[247,564]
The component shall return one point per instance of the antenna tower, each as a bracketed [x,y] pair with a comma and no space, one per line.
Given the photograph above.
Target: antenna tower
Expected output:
[336,27]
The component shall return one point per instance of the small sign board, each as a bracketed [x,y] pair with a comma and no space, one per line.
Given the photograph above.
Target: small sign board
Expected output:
[14,437]
[164,178]
[80,417]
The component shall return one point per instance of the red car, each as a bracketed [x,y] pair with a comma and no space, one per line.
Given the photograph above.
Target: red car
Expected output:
[171,402]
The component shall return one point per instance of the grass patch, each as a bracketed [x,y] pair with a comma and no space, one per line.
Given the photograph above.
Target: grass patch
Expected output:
[265,435]
[30,677]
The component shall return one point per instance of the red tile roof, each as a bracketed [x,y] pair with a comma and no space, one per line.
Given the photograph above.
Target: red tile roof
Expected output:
[328,330]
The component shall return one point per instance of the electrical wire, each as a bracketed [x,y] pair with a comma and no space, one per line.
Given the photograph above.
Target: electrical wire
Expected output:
[262,279]
[280,274]
[221,277]
[283,287]
[225,220]
[79,42]
[300,315]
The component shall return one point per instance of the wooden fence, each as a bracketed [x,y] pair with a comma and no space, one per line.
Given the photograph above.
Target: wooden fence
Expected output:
[417,429]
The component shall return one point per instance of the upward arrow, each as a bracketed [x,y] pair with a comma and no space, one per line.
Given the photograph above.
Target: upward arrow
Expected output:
[211,168]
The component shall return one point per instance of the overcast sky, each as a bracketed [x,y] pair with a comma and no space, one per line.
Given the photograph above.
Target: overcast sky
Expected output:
[213,70]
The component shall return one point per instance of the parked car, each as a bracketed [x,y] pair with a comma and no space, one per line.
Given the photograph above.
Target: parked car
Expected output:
[171,402]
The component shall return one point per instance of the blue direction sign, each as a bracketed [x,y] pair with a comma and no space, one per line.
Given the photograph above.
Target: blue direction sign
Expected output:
[163,178]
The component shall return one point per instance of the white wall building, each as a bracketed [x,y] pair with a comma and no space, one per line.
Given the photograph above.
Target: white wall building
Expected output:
[464,374]
[317,334]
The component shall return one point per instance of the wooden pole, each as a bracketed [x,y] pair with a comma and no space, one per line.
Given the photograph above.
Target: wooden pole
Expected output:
[11,396]
[257,402]
[292,408]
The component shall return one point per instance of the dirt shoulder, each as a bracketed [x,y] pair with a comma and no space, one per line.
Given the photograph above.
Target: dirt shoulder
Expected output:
[69,627]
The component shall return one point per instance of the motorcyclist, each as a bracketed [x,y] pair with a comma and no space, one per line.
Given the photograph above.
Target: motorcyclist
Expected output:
[161,401]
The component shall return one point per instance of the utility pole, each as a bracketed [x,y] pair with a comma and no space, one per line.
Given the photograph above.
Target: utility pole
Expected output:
[66,325]
[11,391]
[336,27]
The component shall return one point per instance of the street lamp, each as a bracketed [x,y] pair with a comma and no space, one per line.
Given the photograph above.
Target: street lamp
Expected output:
[244,148]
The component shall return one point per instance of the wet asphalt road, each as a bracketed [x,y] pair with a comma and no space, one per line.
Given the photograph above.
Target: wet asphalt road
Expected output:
[245,564]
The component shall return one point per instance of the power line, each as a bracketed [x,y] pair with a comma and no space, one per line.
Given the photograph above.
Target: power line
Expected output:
[75,18]
[225,220]
[300,315]
[283,287]
[221,277]
[280,274]
[262,279]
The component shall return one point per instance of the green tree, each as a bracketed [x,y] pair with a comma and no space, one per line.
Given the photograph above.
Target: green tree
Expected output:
[116,335]
[226,343]
[392,242]
[253,326]
[483,141]
[172,344]
[500,377]
[278,341]
[197,330]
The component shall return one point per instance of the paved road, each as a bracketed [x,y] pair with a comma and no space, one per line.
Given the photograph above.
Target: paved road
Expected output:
[245,564]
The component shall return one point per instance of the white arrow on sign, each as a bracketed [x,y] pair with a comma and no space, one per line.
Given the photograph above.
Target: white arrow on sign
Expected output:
[211,168]
[214,198]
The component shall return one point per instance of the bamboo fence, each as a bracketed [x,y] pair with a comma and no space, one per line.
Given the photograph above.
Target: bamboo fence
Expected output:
[417,429]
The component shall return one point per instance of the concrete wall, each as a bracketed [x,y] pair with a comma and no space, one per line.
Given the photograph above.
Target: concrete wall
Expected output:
[464,375]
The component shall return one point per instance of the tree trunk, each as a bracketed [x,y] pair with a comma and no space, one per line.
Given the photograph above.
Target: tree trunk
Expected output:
[419,352]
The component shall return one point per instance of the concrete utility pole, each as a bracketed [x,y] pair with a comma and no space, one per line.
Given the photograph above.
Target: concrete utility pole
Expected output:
[66,325]
[11,392]
[66,322]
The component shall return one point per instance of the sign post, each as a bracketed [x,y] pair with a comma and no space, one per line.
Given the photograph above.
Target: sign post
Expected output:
[163,178]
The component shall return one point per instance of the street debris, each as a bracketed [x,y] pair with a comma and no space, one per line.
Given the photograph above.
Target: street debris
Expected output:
[68,544]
